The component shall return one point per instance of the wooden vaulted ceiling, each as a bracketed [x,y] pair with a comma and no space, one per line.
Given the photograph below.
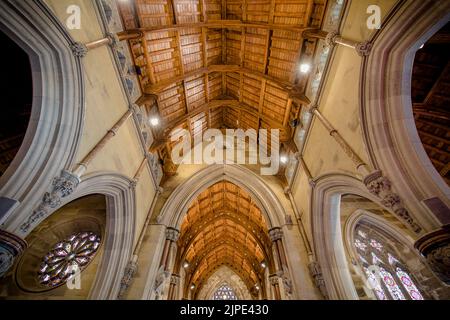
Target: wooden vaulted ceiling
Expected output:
[431,99]
[224,227]
[221,63]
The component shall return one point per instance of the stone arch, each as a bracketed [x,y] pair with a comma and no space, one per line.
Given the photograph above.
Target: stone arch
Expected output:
[327,234]
[388,123]
[178,203]
[120,228]
[331,234]
[53,134]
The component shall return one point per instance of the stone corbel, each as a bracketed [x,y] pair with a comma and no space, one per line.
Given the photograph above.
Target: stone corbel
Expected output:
[435,247]
[380,186]
[79,49]
[129,273]
[62,187]
[11,247]
[316,273]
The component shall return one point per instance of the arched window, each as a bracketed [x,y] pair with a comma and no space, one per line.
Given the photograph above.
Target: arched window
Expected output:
[386,275]
[225,292]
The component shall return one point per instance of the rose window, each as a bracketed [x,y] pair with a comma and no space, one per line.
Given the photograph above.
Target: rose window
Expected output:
[67,258]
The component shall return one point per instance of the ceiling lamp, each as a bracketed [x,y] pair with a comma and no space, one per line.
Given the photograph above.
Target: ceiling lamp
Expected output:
[186,265]
[305,67]
[154,121]
[263,265]
[192,286]
[284,159]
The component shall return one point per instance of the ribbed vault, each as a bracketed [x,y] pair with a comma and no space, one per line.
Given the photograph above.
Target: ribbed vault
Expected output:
[224,227]
[221,64]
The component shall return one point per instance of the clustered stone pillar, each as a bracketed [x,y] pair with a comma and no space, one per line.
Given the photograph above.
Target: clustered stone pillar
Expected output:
[11,247]
[172,235]
[334,38]
[132,266]
[174,283]
[276,236]
[273,279]
[435,247]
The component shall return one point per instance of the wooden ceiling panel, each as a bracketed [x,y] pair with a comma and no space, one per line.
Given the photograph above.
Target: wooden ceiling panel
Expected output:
[154,12]
[192,60]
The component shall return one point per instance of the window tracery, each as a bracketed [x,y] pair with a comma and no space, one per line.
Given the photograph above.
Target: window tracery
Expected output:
[68,257]
[224,292]
[387,276]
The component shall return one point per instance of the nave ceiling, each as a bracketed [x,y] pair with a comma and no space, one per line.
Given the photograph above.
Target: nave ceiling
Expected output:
[221,64]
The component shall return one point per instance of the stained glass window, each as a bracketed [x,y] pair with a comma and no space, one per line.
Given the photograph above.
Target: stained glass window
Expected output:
[67,257]
[386,275]
[375,284]
[225,292]
[375,244]
[360,245]
[409,284]
[391,285]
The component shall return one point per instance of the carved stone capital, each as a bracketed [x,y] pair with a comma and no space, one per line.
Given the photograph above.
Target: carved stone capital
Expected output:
[376,183]
[113,40]
[273,280]
[172,234]
[79,49]
[275,234]
[435,247]
[11,246]
[363,48]
[174,279]
[331,38]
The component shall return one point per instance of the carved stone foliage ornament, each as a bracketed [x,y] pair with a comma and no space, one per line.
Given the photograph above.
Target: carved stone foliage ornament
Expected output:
[316,274]
[11,246]
[62,187]
[172,234]
[435,247]
[363,48]
[275,234]
[79,49]
[129,273]
[380,186]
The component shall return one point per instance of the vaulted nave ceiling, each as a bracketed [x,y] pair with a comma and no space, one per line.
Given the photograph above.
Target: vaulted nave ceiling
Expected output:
[221,64]
[224,227]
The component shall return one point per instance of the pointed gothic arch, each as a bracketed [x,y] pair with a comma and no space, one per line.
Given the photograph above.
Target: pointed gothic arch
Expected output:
[387,118]
[54,130]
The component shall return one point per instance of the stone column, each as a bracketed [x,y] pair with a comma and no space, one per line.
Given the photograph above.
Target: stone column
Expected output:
[435,247]
[172,235]
[132,266]
[273,279]
[82,166]
[174,282]
[11,247]
[333,38]
[80,50]
[346,148]
[276,235]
